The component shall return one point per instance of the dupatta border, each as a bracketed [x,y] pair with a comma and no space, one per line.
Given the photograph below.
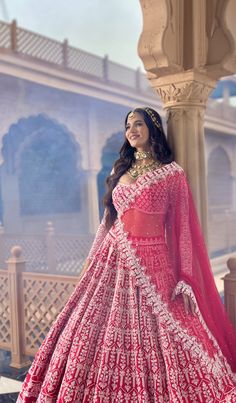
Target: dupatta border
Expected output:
[149,290]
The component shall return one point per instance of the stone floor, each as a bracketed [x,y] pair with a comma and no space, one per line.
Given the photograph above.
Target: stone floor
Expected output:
[9,389]
[10,379]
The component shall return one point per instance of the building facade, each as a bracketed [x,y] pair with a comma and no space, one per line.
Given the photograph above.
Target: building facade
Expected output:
[61,129]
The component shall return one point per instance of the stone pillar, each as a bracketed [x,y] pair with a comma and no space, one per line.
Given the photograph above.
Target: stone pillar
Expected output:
[50,248]
[11,202]
[2,247]
[16,265]
[230,290]
[185,47]
[234,192]
[92,166]
[233,175]
[185,102]
[93,203]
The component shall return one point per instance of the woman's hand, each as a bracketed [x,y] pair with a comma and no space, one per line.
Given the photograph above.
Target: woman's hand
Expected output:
[86,265]
[189,305]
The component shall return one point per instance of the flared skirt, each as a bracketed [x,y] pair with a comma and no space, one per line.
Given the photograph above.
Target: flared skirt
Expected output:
[113,343]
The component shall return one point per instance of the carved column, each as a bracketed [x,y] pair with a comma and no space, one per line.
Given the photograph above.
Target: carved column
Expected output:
[92,168]
[230,290]
[185,47]
[185,102]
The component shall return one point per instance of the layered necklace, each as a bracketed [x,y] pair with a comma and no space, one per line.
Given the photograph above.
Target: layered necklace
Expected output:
[137,169]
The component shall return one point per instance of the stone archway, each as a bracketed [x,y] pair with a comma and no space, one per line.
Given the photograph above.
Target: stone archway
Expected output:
[42,160]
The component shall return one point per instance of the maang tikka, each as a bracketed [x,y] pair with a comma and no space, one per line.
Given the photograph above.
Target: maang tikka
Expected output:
[153,117]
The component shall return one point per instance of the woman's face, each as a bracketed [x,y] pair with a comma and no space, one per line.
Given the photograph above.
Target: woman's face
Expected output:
[137,132]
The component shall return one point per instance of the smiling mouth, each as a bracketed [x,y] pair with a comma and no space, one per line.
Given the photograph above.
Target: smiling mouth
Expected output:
[134,137]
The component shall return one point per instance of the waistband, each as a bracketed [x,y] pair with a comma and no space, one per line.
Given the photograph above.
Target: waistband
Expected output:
[142,240]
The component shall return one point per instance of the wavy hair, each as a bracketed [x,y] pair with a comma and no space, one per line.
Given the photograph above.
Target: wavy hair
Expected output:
[160,151]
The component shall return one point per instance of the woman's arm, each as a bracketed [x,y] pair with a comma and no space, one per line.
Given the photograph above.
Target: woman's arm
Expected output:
[85,267]
[99,237]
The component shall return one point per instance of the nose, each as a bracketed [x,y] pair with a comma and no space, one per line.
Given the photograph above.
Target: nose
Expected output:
[132,129]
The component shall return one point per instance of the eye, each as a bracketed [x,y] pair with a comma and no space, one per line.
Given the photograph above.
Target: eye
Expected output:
[127,127]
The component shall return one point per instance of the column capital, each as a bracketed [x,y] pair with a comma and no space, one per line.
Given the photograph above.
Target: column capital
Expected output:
[188,35]
[183,89]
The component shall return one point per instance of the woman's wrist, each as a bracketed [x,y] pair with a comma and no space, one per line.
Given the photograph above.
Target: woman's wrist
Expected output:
[184,289]
[85,267]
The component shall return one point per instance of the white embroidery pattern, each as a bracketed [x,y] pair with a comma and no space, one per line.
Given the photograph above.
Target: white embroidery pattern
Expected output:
[121,339]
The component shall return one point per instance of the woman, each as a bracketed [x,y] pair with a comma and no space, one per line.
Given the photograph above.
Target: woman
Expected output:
[145,323]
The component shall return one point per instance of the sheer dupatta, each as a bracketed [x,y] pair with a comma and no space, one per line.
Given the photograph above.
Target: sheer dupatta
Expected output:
[192,266]
[99,237]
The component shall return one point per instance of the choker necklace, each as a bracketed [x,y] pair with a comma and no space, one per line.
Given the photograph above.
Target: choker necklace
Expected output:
[137,170]
[142,155]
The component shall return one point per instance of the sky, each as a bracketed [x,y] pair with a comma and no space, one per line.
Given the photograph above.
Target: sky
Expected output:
[102,27]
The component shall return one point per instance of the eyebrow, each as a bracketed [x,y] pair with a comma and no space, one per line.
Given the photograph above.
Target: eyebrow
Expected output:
[138,120]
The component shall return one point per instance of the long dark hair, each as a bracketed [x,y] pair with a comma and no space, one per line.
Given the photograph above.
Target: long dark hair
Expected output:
[160,150]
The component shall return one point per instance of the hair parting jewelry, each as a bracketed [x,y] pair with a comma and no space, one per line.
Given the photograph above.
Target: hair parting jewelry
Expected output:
[153,117]
[132,114]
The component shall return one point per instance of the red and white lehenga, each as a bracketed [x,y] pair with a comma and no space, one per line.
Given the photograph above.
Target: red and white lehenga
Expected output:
[121,337]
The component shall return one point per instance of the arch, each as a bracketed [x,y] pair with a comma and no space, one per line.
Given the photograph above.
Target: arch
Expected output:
[20,132]
[45,157]
[110,153]
[220,182]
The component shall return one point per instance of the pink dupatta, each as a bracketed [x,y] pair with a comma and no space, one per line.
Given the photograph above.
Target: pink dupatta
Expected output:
[191,263]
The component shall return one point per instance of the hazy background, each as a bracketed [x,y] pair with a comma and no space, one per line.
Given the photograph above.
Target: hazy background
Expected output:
[58,144]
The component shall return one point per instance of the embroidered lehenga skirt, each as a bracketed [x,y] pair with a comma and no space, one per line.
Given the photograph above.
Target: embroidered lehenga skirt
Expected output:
[122,337]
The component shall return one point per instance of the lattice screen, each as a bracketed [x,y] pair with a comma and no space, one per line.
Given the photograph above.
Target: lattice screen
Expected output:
[5,35]
[39,46]
[34,251]
[5,330]
[44,297]
[85,62]
[70,253]
[51,51]
[121,74]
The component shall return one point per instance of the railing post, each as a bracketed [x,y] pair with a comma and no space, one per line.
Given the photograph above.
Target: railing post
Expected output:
[105,68]
[16,265]
[65,53]
[230,290]
[2,255]
[14,36]
[51,259]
